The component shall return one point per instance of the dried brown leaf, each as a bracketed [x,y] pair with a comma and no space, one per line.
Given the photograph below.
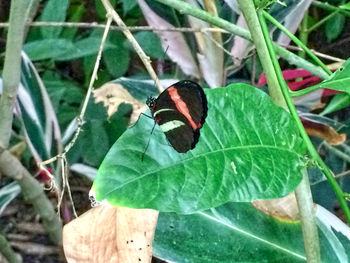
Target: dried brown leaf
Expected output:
[113,94]
[324,132]
[110,234]
[283,209]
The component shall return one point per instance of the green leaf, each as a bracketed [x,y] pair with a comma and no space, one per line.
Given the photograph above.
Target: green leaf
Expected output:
[77,15]
[85,47]
[54,11]
[49,48]
[128,5]
[36,112]
[345,6]
[7,194]
[63,49]
[100,10]
[237,232]
[117,59]
[338,102]
[249,149]
[334,27]
[150,43]
[339,80]
[94,142]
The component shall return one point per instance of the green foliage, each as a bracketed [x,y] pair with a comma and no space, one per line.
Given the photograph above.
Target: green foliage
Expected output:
[54,11]
[334,27]
[117,59]
[339,80]
[128,5]
[76,16]
[228,234]
[338,102]
[262,4]
[258,155]
[100,10]
[150,43]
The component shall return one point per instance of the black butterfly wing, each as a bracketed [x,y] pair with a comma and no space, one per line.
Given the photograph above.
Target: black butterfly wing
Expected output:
[180,111]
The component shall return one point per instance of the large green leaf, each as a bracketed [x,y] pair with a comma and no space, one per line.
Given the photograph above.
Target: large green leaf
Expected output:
[249,149]
[237,232]
[339,80]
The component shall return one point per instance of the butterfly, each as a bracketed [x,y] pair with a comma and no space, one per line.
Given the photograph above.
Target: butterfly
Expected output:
[180,111]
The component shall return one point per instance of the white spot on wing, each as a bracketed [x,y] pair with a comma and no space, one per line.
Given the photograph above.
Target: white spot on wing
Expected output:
[170,125]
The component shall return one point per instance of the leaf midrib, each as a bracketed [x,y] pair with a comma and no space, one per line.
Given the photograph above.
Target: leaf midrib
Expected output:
[230,226]
[200,155]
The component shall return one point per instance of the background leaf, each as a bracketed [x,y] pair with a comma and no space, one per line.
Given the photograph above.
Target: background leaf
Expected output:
[150,43]
[237,232]
[339,80]
[54,11]
[253,157]
[334,27]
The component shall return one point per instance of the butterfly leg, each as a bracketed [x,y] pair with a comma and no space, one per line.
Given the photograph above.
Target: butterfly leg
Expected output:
[149,140]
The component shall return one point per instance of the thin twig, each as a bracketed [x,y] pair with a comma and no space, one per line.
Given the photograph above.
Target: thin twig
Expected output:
[145,59]
[119,28]
[80,121]
[68,187]
[319,54]
[80,118]
[342,174]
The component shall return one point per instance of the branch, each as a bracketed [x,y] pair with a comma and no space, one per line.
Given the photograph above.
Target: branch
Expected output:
[8,252]
[119,28]
[12,69]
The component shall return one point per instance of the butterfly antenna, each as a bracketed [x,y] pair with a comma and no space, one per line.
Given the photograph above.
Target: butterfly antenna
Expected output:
[149,140]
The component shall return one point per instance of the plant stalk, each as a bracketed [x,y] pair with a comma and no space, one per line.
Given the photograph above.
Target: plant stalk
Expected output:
[8,252]
[251,18]
[298,42]
[303,191]
[311,149]
[303,34]
[12,68]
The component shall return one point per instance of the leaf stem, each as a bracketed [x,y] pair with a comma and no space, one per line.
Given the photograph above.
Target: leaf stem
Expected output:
[330,7]
[311,149]
[322,21]
[303,34]
[296,41]
[305,91]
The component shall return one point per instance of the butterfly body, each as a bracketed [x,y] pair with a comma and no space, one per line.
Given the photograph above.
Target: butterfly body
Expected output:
[180,111]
